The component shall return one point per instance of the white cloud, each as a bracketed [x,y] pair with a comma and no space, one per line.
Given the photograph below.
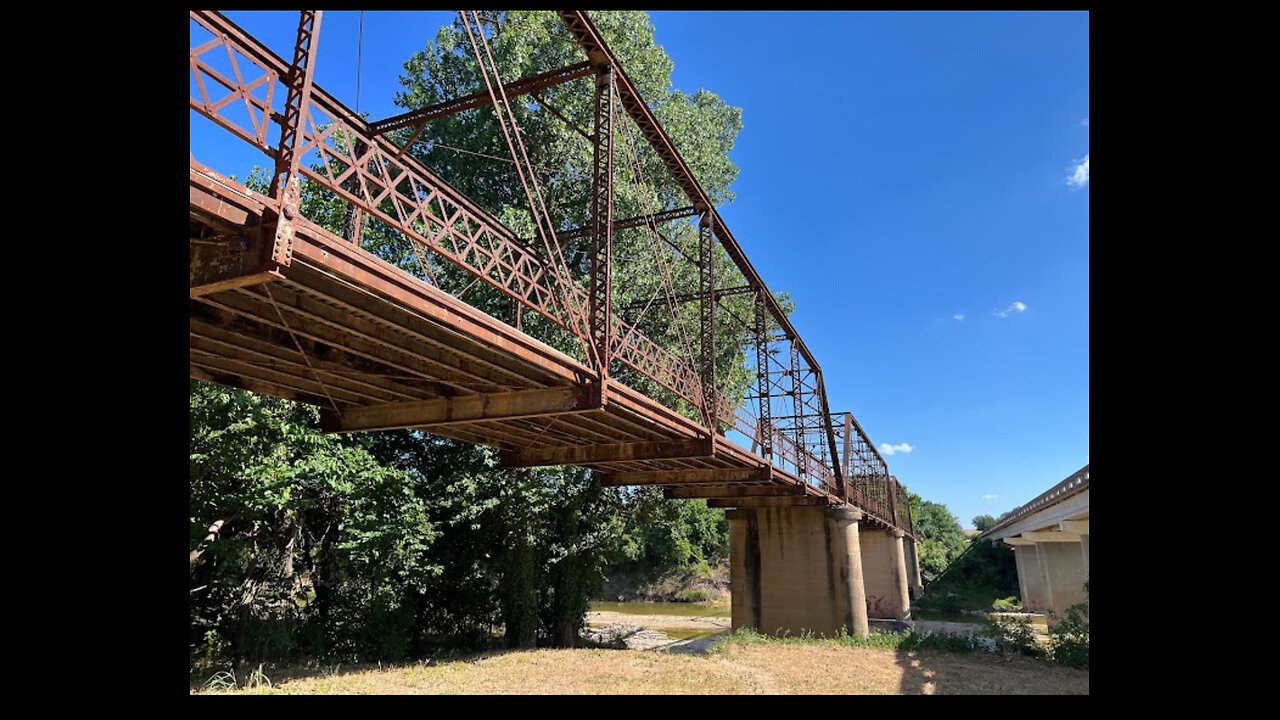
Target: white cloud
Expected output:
[1017,306]
[887,449]
[1084,122]
[990,496]
[1080,175]
[959,317]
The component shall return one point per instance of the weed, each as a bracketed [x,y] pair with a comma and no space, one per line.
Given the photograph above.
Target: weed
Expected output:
[1013,636]
[1005,604]
[258,679]
[225,681]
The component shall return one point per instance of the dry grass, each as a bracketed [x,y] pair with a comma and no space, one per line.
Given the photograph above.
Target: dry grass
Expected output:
[741,668]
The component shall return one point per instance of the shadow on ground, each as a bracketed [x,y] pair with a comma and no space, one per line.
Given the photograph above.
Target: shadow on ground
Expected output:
[937,673]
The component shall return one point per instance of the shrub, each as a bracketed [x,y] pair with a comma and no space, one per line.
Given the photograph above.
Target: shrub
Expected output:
[1008,603]
[950,603]
[1013,636]
[1069,637]
[695,595]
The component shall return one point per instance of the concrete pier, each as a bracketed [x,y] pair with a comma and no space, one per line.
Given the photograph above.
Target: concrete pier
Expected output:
[797,568]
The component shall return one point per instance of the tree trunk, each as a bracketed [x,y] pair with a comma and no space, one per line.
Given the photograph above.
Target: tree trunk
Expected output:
[215,530]
[518,596]
[248,593]
[569,577]
[322,577]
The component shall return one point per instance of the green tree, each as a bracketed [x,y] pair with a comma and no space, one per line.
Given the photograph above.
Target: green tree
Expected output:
[984,522]
[661,534]
[290,526]
[940,535]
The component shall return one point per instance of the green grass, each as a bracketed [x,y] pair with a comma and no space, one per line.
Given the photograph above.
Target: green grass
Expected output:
[908,640]
[918,614]
[955,598]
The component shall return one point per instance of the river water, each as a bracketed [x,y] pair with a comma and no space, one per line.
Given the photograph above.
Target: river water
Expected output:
[678,627]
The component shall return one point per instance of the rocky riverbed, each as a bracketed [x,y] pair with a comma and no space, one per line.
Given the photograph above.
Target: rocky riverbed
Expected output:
[666,631]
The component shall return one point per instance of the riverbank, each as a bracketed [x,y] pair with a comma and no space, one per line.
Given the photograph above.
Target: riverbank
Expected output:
[687,584]
[735,668]
[674,627]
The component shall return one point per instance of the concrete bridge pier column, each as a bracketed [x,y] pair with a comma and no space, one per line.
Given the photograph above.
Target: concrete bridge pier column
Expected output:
[796,568]
[914,581]
[1062,562]
[1031,582]
[885,574]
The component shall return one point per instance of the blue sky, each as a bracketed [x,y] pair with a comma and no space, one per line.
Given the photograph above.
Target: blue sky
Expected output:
[899,172]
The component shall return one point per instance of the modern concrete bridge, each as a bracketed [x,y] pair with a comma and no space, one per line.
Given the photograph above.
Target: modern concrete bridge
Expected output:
[456,325]
[1050,539]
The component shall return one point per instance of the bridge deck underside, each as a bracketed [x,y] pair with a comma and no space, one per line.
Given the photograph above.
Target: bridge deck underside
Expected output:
[343,330]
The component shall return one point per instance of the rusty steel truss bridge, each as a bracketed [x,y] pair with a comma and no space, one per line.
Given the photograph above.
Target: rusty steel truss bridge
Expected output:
[282,306]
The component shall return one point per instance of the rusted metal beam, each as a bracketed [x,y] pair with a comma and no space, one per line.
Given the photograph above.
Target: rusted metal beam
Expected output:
[523,86]
[637,221]
[606,453]
[840,489]
[733,491]
[236,262]
[768,502]
[286,187]
[716,476]
[601,299]
[465,409]
[240,254]
[848,442]
[707,324]
[764,423]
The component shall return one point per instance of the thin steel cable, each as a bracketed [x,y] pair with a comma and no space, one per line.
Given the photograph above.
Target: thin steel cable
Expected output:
[643,190]
[267,286]
[442,146]
[571,301]
[515,130]
[359,54]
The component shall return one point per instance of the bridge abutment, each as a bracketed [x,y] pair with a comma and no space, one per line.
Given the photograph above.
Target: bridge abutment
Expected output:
[795,569]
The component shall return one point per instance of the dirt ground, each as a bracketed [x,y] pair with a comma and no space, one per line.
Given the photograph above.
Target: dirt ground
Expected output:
[750,669]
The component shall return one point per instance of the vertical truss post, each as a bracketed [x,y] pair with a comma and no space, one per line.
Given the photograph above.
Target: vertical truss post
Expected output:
[848,442]
[802,460]
[286,187]
[707,326]
[830,432]
[762,377]
[602,218]
[892,486]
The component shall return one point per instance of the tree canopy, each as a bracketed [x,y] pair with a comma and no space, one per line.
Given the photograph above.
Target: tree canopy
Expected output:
[941,539]
[984,522]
